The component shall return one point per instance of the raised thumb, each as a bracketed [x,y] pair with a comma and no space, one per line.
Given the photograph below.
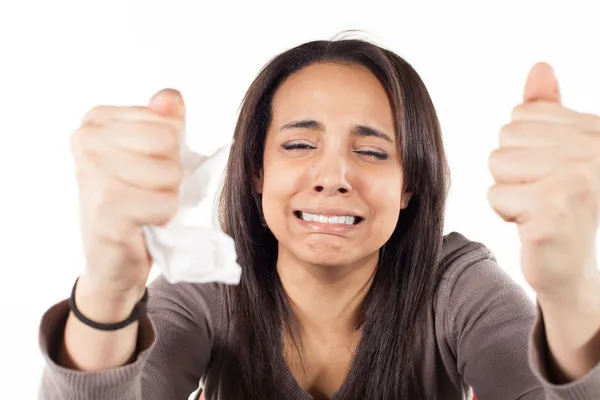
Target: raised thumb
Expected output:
[168,102]
[541,84]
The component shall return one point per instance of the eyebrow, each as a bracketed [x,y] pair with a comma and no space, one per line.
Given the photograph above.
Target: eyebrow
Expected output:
[357,130]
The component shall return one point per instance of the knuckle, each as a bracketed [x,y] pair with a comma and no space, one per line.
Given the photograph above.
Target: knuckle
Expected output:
[83,143]
[520,110]
[493,195]
[82,174]
[93,114]
[531,108]
[507,133]
[495,158]
[80,138]
[75,143]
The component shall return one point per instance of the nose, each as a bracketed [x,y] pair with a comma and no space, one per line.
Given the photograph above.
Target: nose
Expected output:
[332,176]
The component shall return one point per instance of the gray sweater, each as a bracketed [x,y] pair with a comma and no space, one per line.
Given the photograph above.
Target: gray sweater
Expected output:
[483,332]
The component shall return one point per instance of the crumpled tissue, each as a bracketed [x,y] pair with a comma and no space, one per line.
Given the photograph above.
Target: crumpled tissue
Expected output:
[193,253]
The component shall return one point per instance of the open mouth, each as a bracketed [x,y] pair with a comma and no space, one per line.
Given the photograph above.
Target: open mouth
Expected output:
[328,219]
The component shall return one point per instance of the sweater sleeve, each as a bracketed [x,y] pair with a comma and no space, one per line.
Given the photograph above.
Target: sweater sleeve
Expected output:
[497,336]
[174,346]
[587,387]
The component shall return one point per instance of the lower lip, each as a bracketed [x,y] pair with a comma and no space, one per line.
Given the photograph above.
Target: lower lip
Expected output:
[319,227]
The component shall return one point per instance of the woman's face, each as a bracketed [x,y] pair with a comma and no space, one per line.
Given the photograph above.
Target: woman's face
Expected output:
[331,182]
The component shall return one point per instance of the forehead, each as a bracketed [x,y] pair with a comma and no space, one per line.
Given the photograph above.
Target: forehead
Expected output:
[326,89]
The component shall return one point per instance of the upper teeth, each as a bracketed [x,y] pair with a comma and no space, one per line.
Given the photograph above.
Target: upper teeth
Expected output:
[325,219]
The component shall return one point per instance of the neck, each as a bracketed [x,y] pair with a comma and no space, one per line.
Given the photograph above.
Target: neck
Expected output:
[326,299]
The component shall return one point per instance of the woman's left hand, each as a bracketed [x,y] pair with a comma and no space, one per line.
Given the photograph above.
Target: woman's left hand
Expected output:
[547,181]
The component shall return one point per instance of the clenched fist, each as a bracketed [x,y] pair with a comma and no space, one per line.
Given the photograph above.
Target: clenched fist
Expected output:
[129,172]
[547,180]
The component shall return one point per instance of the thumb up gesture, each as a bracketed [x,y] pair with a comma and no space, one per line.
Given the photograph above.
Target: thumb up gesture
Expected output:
[547,181]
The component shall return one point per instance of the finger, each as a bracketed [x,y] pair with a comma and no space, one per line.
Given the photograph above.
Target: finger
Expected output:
[541,85]
[168,102]
[544,111]
[524,164]
[99,115]
[541,111]
[538,134]
[144,172]
[121,208]
[511,202]
[140,137]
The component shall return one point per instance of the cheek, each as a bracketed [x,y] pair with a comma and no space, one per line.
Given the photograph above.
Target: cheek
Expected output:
[280,183]
[385,198]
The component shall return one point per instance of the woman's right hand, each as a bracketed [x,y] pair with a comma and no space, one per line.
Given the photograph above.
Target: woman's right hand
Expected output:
[128,172]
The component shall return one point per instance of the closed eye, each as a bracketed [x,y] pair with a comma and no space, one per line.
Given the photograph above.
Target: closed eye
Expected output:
[375,154]
[297,146]
[306,146]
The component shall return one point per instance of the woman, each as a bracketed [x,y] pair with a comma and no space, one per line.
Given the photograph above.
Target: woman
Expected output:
[334,195]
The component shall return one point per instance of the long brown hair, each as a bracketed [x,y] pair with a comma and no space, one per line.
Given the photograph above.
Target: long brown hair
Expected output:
[386,362]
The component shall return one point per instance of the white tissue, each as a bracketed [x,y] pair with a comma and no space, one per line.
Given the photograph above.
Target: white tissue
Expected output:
[192,253]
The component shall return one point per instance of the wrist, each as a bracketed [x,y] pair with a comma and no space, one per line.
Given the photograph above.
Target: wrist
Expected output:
[579,296]
[103,303]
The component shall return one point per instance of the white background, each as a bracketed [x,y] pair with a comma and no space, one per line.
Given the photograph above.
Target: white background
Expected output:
[59,58]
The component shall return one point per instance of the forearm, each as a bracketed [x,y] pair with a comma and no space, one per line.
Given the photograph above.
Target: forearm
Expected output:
[87,349]
[572,326]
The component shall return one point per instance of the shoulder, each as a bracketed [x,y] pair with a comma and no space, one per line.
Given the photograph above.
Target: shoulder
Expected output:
[458,250]
[474,282]
[464,259]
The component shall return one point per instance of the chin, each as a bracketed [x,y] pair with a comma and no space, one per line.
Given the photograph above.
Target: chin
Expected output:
[327,250]
[329,255]
[326,261]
